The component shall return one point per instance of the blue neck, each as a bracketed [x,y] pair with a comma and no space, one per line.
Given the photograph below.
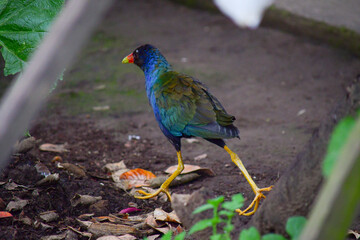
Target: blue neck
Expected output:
[155,66]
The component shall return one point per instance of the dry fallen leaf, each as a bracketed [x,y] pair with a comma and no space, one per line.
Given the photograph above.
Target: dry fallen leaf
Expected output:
[49,216]
[136,178]
[191,168]
[153,237]
[86,216]
[113,167]
[24,219]
[102,229]
[49,147]
[16,205]
[72,169]
[49,179]
[109,237]
[151,221]
[54,237]
[105,219]
[84,234]
[4,214]
[115,176]
[10,186]
[24,145]
[127,237]
[161,215]
[200,157]
[84,200]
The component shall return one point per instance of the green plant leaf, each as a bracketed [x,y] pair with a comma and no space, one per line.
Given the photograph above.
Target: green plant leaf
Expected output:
[227,213]
[250,234]
[218,237]
[273,236]
[201,225]
[337,141]
[180,236]
[202,208]
[216,201]
[295,225]
[228,228]
[167,236]
[27,133]
[236,202]
[23,23]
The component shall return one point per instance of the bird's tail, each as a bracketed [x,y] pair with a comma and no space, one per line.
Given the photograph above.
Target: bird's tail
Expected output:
[213,131]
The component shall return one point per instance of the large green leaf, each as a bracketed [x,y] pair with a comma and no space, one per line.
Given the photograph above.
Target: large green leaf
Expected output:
[337,141]
[273,236]
[23,23]
[250,234]
[294,226]
[236,202]
[201,225]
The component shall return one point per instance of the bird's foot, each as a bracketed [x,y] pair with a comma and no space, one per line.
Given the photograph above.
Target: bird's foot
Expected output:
[255,203]
[151,195]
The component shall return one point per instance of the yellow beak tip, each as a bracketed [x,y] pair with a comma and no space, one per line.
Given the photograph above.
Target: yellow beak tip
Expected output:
[125,60]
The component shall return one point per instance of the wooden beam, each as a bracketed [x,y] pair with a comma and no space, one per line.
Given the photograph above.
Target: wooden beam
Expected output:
[24,98]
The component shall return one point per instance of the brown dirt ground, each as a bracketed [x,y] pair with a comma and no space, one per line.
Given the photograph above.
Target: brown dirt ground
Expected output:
[263,77]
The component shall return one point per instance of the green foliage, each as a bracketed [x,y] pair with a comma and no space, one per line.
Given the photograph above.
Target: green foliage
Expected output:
[23,23]
[201,225]
[167,236]
[27,133]
[251,233]
[223,212]
[337,141]
[273,236]
[294,227]
[180,236]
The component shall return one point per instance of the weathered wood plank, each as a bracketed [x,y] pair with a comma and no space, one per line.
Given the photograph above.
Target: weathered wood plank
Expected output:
[25,97]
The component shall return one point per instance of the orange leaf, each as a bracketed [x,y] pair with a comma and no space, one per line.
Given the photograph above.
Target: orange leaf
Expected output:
[137,174]
[137,177]
[4,214]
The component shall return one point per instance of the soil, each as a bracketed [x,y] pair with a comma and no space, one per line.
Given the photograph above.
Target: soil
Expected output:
[278,86]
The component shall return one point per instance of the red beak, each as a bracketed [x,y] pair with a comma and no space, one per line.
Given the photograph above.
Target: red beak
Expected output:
[128,59]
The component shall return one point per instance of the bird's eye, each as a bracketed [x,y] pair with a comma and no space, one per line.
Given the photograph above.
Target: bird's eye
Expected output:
[137,51]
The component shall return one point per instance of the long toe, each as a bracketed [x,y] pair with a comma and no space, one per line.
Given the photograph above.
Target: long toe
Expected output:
[146,195]
[255,203]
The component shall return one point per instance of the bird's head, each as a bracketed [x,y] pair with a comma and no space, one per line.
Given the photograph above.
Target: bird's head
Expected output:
[146,56]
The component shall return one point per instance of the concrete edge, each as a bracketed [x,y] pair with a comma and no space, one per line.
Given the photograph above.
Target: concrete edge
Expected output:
[283,20]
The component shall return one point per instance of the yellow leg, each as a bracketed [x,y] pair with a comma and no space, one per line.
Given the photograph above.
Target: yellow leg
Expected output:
[257,191]
[165,186]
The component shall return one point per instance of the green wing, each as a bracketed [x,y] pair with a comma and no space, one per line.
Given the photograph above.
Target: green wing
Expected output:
[183,101]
